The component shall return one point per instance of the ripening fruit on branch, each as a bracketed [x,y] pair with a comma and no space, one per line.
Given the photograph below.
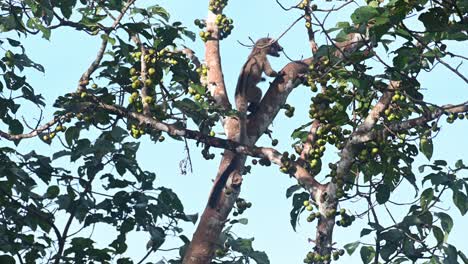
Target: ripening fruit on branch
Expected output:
[274,142]
[148,82]
[192,91]
[148,99]
[60,128]
[136,84]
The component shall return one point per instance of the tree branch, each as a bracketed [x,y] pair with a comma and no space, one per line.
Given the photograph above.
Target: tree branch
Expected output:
[84,80]
[215,76]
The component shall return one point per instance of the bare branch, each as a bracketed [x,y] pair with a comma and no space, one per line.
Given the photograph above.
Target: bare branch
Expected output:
[215,76]
[84,80]
[33,133]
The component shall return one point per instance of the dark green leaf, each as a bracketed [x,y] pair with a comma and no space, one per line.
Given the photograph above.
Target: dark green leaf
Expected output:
[292,190]
[440,162]
[364,14]
[72,134]
[367,254]
[426,197]
[435,20]
[438,234]
[15,127]
[388,249]
[392,235]
[351,247]
[157,10]
[298,202]
[446,221]
[6,259]
[461,201]
[52,192]
[260,257]
[242,245]
[366,231]
[426,147]
[459,164]
[383,193]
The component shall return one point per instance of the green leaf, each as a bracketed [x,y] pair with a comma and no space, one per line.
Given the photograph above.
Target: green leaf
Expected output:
[446,221]
[298,202]
[411,220]
[440,162]
[459,164]
[426,197]
[387,250]
[52,192]
[242,245]
[14,43]
[191,218]
[366,231]
[364,14]
[383,193]
[435,20]
[351,247]
[461,201]
[367,254]
[392,235]
[292,190]
[6,259]
[109,39]
[118,133]
[451,253]
[260,257]
[426,147]
[124,261]
[158,237]
[157,10]
[409,250]
[300,134]
[438,234]
[15,127]
[243,221]
[60,154]
[66,7]
[72,134]
[191,35]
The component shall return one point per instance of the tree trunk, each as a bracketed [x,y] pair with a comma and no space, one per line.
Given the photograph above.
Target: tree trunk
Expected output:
[205,238]
[204,242]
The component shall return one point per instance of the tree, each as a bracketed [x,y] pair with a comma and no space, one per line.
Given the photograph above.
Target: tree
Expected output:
[367,103]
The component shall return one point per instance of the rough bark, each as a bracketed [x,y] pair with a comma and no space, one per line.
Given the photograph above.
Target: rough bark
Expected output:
[205,239]
[203,244]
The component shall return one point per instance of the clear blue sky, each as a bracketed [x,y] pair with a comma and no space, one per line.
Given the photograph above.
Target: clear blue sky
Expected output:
[69,53]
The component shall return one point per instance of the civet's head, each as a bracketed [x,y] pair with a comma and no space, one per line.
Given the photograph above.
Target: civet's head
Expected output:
[271,46]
